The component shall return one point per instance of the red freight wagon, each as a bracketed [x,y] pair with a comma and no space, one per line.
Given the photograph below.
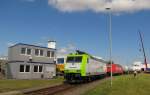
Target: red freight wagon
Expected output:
[116,69]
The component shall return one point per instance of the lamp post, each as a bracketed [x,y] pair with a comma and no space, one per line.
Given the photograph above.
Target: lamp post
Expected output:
[110,39]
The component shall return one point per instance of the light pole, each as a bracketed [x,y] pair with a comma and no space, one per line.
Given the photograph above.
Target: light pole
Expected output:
[110,39]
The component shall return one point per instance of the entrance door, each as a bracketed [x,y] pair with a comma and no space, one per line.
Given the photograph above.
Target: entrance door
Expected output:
[49,72]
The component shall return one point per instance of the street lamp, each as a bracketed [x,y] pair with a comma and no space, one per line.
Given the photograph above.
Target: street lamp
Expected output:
[110,39]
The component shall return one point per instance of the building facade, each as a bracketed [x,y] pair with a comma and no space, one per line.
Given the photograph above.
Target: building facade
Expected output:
[31,62]
[3,62]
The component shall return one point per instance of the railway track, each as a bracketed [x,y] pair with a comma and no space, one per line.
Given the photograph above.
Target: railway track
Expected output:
[51,90]
[58,88]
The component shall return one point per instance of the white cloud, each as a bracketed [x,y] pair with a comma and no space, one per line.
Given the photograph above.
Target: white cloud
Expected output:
[10,44]
[66,50]
[117,6]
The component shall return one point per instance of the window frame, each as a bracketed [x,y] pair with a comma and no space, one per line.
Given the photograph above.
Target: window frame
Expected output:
[24,66]
[74,59]
[60,60]
[34,68]
[49,54]
[88,60]
[30,51]
[41,69]
[22,51]
[36,54]
[21,69]
[38,69]
[28,69]
[26,51]
[52,53]
[39,53]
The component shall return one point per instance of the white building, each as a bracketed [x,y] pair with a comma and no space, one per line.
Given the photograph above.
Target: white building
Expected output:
[31,62]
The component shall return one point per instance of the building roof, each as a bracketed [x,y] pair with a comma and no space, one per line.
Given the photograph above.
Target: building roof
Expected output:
[30,45]
[30,62]
[51,41]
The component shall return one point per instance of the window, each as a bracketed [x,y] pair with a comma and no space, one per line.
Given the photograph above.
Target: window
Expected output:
[48,53]
[24,68]
[41,52]
[37,52]
[27,68]
[52,54]
[87,60]
[70,59]
[36,68]
[60,60]
[28,51]
[21,68]
[23,50]
[76,59]
[40,68]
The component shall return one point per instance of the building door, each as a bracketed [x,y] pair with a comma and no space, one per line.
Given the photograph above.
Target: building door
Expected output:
[49,72]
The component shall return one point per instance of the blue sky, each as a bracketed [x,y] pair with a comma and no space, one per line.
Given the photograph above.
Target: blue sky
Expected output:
[36,21]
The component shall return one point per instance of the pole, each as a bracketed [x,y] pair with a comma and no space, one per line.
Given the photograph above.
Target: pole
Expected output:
[110,39]
[145,60]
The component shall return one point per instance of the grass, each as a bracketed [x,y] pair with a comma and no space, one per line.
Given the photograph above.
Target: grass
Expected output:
[10,85]
[123,85]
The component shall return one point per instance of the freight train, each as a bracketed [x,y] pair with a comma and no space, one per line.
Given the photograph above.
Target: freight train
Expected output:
[81,66]
[116,69]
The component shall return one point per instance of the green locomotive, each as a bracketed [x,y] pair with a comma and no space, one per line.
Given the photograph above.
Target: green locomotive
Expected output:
[81,66]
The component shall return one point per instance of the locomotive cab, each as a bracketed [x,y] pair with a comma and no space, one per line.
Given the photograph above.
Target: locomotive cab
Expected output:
[73,67]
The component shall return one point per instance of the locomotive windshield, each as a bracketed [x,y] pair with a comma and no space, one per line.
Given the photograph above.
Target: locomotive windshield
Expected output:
[76,59]
[60,60]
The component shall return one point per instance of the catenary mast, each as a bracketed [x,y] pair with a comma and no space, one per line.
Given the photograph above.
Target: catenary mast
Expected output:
[143,49]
